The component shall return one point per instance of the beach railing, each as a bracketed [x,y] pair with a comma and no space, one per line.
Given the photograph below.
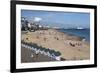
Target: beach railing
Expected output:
[39,49]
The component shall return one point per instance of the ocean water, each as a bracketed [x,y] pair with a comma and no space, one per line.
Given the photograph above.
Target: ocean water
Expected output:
[84,33]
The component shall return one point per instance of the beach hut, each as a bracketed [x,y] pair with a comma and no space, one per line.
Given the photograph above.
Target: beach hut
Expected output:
[48,52]
[52,53]
[41,49]
[58,55]
[45,51]
[55,55]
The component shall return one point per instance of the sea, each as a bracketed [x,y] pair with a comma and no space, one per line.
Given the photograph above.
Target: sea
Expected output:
[83,33]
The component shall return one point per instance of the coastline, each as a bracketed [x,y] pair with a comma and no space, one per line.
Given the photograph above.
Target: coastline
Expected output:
[79,38]
[83,34]
[71,47]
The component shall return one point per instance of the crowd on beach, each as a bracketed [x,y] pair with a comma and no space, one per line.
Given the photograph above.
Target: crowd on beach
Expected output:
[52,43]
[41,42]
[73,44]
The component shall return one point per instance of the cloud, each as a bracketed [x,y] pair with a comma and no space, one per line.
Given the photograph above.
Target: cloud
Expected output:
[37,19]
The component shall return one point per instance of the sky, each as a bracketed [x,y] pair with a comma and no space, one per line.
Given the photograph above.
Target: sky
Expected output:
[58,19]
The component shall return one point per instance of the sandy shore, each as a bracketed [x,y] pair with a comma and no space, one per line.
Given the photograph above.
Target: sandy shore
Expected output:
[71,47]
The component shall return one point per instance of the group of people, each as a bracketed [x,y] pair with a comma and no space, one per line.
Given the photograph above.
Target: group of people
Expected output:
[75,44]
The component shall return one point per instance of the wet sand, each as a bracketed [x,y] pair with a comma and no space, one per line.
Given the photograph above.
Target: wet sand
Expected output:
[71,47]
